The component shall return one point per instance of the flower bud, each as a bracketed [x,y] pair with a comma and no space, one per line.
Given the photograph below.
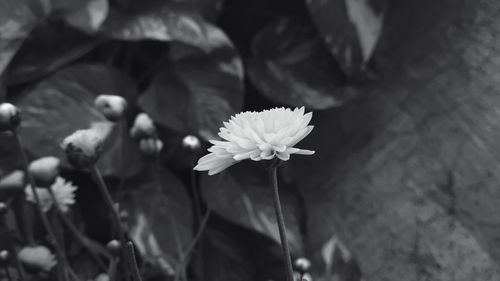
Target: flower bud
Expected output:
[45,170]
[297,276]
[302,265]
[114,247]
[10,118]
[150,146]
[83,147]
[37,258]
[143,127]
[111,106]
[4,208]
[102,277]
[4,257]
[190,142]
[12,182]
[307,277]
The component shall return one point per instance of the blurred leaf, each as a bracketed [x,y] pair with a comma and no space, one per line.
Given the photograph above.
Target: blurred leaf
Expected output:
[39,54]
[168,21]
[64,103]
[89,15]
[350,28]
[242,195]
[291,66]
[160,218]
[194,93]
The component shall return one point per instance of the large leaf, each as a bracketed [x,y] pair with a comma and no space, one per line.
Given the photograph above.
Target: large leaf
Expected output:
[39,54]
[350,29]
[291,66]
[160,218]
[413,189]
[64,103]
[194,92]
[243,195]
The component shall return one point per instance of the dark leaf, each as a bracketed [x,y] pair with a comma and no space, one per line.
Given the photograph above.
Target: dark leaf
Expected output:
[64,103]
[39,54]
[243,195]
[350,29]
[291,66]
[194,92]
[160,218]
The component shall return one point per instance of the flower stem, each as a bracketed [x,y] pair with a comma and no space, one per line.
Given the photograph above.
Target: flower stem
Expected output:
[45,221]
[96,174]
[273,182]
[7,273]
[131,260]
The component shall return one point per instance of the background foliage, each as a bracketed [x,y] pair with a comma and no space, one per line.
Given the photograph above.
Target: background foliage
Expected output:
[403,185]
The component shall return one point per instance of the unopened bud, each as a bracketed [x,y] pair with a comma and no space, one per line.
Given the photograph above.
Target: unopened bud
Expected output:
[83,147]
[306,277]
[37,258]
[143,127]
[114,247]
[111,106]
[10,118]
[4,208]
[4,256]
[13,182]
[45,170]
[102,277]
[302,265]
[150,146]
[191,143]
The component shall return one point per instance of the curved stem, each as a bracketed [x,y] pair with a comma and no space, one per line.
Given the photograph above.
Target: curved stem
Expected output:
[131,260]
[45,221]
[273,182]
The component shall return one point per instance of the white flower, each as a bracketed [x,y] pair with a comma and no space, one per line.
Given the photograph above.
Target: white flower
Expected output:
[143,127]
[37,257]
[45,169]
[258,136]
[10,117]
[83,147]
[111,106]
[64,192]
[150,146]
[191,142]
[102,277]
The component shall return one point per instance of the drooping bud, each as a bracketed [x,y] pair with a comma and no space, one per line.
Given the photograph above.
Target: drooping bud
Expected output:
[37,258]
[10,117]
[4,257]
[150,146]
[4,208]
[303,265]
[83,147]
[12,182]
[191,143]
[111,106]
[45,170]
[143,127]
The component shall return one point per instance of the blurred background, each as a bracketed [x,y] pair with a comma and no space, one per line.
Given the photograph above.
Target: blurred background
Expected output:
[405,95]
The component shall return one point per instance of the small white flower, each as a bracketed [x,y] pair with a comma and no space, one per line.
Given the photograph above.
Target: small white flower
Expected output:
[258,136]
[111,106]
[45,169]
[191,142]
[64,192]
[83,147]
[37,257]
[102,277]
[10,117]
[150,146]
[143,127]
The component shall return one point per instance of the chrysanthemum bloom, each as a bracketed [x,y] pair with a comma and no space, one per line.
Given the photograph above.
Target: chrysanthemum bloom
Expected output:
[143,127]
[45,170]
[10,118]
[64,192]
[111,106]
[83,147]
[258,136]
[37,258]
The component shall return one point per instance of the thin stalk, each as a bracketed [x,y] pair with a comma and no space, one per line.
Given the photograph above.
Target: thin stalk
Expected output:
[7,273]
[19,267]
[131,260]
[112,269]
[273,182]
[45,221]
[80,237]
[96,174]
